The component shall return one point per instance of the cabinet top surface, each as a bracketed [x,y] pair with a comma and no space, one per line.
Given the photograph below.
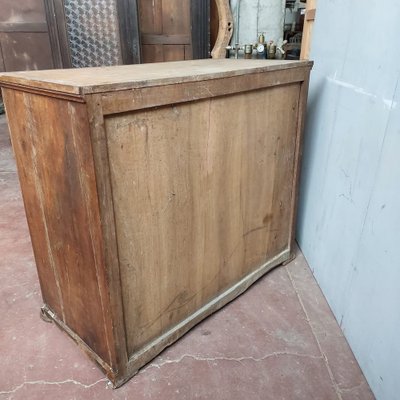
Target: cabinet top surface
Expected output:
[105,79]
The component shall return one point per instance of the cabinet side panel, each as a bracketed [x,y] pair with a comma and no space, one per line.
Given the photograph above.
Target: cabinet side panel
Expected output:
[51,142]
[202,198]
[18,116]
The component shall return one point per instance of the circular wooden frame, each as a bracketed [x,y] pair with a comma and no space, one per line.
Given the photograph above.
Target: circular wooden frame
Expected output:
[225,28]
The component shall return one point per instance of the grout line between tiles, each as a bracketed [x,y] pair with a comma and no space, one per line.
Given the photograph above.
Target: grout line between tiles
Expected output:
[334,383]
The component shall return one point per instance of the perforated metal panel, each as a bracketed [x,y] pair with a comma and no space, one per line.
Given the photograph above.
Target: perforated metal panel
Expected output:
[92,28]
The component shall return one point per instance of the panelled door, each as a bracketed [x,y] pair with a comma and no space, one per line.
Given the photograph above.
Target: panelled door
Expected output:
[172,30]
[24,37]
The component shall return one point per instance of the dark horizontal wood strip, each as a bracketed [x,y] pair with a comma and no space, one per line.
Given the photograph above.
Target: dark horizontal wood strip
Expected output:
[23,27]
[165,39]
[134,99]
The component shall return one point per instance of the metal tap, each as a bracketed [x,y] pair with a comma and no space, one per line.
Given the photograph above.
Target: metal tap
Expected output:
[235,48]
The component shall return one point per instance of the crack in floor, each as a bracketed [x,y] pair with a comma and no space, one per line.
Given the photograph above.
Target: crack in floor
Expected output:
[329,370]
[349,389]
[235,359]
[41,382]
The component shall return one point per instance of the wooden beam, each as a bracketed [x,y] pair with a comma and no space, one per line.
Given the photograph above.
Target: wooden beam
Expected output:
[307,29]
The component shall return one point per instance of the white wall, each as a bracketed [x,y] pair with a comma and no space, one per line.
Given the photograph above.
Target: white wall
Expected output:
[349,216]
[258,16]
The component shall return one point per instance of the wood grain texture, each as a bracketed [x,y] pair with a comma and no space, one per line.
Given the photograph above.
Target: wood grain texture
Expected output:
[106,79]
[22,11]
[153,52]
[150,16]
[225,28]
[308,29]
[301,116]
[56,171]
[128,21]
[148,352]
[174,52]
[214,23]
[165,39]
[159,195]
[166,25]
[109,237]
[208,208]
[127,100]
[176,16]
[26,50]
[24,38]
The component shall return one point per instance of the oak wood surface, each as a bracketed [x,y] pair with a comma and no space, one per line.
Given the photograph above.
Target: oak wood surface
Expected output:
[104,79]
[107,221]
[154,199]
[209,206]
[56,172]
[127,100]
[301,117]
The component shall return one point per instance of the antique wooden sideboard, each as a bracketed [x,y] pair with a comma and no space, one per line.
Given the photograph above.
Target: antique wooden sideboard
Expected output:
[155,194]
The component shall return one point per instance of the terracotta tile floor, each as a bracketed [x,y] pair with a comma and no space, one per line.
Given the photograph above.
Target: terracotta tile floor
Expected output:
[277,341]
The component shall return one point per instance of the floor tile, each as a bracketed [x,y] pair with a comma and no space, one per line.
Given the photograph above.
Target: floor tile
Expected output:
[344,368]
[279,340]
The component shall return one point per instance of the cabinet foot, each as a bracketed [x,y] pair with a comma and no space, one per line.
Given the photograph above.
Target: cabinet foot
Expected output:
[44,314]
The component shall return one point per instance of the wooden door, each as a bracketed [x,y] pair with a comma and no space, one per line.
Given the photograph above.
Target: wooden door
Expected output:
[24,37]
[173,30]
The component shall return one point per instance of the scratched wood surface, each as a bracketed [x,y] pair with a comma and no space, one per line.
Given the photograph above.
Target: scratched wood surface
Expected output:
[203,199]
[155,199]
[82,81]
[57,179]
